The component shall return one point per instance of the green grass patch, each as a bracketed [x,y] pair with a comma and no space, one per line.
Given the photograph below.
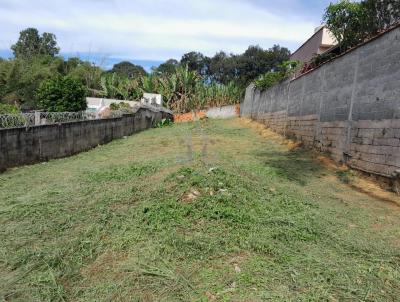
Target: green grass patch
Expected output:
[247,220]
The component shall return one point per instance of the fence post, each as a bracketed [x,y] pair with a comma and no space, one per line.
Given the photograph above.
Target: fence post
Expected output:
[37,118]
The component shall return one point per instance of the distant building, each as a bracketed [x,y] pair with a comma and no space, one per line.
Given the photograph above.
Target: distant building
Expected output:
[318,43]
[152,99]
[97,105]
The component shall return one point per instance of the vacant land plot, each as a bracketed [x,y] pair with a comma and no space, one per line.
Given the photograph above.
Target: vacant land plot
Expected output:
[212,211]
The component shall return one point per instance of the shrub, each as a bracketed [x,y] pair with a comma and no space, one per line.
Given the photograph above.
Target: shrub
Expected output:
[166,122]
[120,106]
[62,94]
[114,106]
[124,105]
[322,58]
[7,109]
[268,80]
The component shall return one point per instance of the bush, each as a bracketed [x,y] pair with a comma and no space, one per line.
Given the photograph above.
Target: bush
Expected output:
[268,80]
[7,109]
[114,106]
[166,122]
[62,94]
[322,58]
[120,106]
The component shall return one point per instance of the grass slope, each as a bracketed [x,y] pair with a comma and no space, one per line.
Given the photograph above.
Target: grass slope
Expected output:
[193,212]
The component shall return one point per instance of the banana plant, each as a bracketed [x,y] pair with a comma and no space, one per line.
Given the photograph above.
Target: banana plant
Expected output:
[182,91]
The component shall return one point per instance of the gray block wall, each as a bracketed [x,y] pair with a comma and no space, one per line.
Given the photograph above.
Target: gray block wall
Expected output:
[349,107]
[22,146]
[222,112]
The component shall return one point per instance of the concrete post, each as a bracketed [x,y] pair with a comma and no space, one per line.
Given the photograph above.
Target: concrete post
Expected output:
[350,116]
[37,118]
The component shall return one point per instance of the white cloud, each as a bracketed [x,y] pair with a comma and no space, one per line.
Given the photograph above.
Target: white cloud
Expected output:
[153,29]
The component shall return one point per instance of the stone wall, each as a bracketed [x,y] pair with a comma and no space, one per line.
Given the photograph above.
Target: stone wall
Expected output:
[21,146]
[349,107]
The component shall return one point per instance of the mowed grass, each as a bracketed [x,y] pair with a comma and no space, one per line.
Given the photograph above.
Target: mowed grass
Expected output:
[208,211]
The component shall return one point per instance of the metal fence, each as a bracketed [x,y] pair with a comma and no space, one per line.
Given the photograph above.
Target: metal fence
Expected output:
[46,118]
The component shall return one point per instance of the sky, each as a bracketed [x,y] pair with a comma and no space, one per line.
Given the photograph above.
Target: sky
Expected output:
[151,31]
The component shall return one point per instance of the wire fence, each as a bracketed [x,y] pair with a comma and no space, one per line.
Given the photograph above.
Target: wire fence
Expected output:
[46,118]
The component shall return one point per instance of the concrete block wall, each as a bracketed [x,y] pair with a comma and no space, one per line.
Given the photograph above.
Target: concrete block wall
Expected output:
[222,112]
[22,146]
[348,107]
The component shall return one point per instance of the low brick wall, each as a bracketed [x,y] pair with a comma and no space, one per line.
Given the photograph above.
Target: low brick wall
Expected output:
[223,112]
[348,107]
[22,146]
[229,111]
[188,117]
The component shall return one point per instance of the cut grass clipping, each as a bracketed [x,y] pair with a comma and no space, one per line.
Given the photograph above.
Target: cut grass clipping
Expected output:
[243,218]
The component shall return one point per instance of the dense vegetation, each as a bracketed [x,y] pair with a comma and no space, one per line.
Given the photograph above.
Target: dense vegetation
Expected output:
[182,90]
[269,79]
[225,68]
[61,94]
[354,22]
[37,78]
[34,63]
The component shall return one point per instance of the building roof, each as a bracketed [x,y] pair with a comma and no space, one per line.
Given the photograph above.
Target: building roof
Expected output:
[369,40]
[310,38]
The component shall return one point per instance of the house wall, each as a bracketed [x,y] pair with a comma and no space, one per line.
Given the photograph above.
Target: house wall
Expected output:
[22,146]
[309,49]
[327,38]
[98,103]
[321,41]
[349,107]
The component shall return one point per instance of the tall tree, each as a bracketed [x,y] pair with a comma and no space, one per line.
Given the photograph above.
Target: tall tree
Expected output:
[168,67]
[380,14]
[345,20]
[128,69]
[48,44]
[222,68]
[31,44]
[195,61]
[256,61]
[353,22]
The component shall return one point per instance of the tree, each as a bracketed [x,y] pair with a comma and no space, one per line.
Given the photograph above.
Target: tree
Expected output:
[256,61]
[345,20]
[380,14]
[62,94]
[244,68]
[48,45]
[222,68]
[195,61]
[31,44]
[128,69]
[88,73]
[5,68]
[23,77]
[353,22]
[168,67]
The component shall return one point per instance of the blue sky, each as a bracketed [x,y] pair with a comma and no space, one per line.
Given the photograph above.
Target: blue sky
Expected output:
[150,31]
